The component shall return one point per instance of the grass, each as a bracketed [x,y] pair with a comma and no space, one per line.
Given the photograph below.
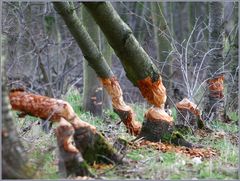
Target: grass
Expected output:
[145,163]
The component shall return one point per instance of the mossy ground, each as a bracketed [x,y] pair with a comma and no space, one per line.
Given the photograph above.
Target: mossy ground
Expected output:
[144,163]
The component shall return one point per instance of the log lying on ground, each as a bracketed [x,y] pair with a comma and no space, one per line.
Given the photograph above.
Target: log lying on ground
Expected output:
[96,60]
[85,135]
[189,114]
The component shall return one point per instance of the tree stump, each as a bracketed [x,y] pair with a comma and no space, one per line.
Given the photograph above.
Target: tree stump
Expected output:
[159,126]
[189,114]
[94,147]
[72,160]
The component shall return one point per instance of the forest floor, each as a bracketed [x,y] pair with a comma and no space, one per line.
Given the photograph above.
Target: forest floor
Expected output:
[218,159]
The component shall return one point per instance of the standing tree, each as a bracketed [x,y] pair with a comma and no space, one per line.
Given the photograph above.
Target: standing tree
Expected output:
[215,104]
[140,70]
[92,88]
[163,44]
[14,158]
[99,64]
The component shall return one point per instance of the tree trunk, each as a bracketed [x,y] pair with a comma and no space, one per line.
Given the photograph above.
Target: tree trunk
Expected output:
[215,105]
[99,64]
[139,68]
[189,114]
[107,53]
[92,88]
[88,141]
[14,158]
[161,31]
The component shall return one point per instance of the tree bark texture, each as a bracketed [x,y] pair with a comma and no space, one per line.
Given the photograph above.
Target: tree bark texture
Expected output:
[92,88]
[96,61]
[215,105]
[162,43]
[140,71]
[14,158]
[70,128]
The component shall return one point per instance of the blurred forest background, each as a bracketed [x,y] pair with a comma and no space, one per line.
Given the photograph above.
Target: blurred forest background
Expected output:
[41,55]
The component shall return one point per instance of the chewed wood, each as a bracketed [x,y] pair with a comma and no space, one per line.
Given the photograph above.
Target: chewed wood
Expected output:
[40,106]
[124,111]
[154,92]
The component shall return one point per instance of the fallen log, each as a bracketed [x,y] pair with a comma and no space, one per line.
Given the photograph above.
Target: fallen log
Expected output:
[88,141]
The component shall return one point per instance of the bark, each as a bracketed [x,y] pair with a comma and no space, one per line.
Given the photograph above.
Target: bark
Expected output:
[95,60]
[71,158]
[215,105]
[14,157]
[140,71]
[84,134]
[162,43]
[107,53]
[92,88]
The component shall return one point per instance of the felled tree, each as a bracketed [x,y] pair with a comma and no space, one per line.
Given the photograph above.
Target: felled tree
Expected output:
[140,70]
[89,142]
[99,64]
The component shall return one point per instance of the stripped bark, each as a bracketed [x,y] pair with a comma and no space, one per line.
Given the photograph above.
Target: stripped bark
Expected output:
[96,61]
[139,67]
[124,111]
[69,155]
[70,125]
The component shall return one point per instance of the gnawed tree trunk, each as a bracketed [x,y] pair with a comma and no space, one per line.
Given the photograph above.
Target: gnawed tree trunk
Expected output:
[139,68]
[189,114]
[98,63]
[70,125]
[215,105]
[71,158]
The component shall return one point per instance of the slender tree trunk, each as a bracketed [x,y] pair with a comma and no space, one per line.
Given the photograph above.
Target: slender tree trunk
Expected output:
[162,43]
[92,88]
[215,105]
[107,53]
[98,63]
[140,70]
[14,158]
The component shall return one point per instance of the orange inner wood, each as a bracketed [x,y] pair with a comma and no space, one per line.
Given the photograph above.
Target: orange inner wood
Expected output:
[216,86]
[154,92]
[50,109]
[156,114]
[114,90]
[64,134]
[188,105]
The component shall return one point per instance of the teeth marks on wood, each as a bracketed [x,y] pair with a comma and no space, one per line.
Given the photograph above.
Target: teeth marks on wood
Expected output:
[216,87]
[124,111]
[154,92]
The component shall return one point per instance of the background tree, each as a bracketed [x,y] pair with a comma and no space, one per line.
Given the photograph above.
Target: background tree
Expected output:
[215,106]
[92,88]
[163,44]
